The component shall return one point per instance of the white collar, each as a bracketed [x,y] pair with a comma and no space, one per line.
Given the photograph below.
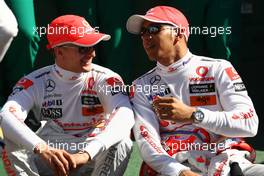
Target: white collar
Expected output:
[66,75]
[176,66]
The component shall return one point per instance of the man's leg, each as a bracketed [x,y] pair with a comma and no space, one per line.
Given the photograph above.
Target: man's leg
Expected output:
[18,162]
[254,170]
[113,161]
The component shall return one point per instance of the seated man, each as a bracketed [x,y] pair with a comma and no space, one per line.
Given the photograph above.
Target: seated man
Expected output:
[86,121]
[191,111]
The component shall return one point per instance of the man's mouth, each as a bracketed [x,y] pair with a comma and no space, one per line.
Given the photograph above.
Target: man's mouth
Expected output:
[85,62]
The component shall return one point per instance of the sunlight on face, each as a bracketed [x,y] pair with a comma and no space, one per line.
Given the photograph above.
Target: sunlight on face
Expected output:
[158,40]
[74,58]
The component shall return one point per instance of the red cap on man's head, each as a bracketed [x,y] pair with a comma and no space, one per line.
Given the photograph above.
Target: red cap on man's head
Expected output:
[75,30]
[159,14]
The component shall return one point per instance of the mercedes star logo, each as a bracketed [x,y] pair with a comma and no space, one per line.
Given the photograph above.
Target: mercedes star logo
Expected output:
[50,85]
[155,79]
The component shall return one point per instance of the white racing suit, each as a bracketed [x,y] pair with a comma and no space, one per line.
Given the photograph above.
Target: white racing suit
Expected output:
[215,88]
[78,112]
[8,28]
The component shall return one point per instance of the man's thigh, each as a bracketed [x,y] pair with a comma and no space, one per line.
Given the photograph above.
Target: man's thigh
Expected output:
[18,161]
[113,161]
[254,170]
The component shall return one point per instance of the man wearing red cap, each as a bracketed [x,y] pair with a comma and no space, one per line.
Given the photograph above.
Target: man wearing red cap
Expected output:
[86,118]
[196,109]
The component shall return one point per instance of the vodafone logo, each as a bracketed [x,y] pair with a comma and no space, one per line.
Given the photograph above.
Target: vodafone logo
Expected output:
[202,71]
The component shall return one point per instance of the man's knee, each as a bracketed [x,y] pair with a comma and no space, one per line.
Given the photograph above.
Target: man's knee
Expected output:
[114,161]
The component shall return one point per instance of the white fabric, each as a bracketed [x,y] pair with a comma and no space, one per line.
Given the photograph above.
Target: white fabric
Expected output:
[112,161]
[83,105]
[8,28]
[210,84]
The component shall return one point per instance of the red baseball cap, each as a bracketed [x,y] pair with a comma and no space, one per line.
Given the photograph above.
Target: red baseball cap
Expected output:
[159,14]
[75,30]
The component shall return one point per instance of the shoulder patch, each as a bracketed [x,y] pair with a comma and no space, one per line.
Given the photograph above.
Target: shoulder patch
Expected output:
[22,84]
[232,73]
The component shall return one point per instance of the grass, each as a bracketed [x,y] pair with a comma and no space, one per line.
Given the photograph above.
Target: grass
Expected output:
[135,162]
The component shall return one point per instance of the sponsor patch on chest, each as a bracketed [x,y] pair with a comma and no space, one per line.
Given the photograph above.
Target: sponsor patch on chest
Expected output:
[201,88]
[203,100]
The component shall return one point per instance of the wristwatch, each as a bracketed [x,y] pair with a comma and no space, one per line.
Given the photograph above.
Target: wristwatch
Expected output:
[197,116]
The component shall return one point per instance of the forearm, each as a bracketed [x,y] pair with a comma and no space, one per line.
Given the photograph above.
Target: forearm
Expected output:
[18,132]
[154,155]
[237,123]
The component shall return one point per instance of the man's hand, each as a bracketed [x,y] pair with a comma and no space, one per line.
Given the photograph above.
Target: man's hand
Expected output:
[81,158]
[59,160]
[170,108]
[188,173]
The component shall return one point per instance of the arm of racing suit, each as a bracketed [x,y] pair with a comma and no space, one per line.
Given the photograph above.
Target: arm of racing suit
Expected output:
[120,123]
[8,28]
[15,111]
[146,131]
[238,118]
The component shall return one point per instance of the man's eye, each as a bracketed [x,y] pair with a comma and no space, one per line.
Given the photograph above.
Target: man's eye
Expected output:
[153,29]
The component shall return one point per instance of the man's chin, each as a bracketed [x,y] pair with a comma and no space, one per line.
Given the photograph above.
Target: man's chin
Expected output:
[151,57]
[86,68]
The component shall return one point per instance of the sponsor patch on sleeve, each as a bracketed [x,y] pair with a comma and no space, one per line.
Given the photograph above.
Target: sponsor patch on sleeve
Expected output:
[232,73]
[114,81]
[244,115]
[22,84]
[116,85]
[239,86]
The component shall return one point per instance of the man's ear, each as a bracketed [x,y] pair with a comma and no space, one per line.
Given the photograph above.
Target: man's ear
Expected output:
[179,37]
[178,34]
[57,51]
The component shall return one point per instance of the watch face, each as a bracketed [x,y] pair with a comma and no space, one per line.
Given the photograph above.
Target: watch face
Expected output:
[199,115]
